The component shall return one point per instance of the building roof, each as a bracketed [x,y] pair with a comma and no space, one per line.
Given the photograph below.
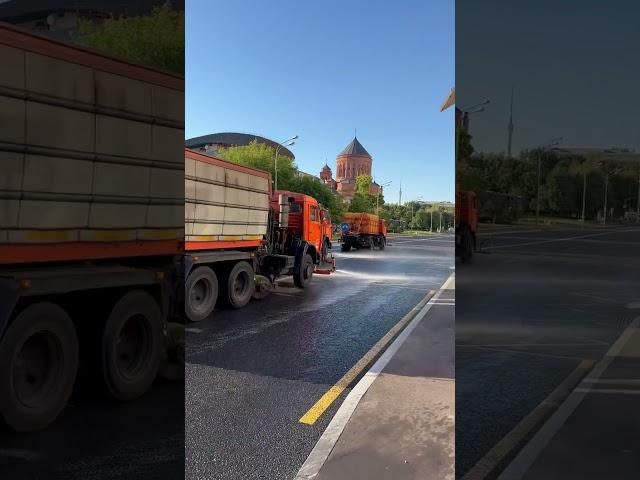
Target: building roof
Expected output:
[16,11]
[355,148]
[234,138]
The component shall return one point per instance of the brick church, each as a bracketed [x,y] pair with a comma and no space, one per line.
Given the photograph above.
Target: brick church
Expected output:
[354,160]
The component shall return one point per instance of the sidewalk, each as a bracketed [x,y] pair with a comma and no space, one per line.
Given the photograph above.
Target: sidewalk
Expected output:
[403,427]
[595,434]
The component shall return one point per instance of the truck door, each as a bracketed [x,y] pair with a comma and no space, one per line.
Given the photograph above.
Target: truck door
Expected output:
[314,230]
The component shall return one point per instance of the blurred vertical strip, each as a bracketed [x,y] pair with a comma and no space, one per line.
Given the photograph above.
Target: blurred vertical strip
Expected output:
[91,235]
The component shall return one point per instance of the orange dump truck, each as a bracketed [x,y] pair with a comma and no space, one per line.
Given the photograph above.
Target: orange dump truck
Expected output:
[91,221]
[236,228]
[363,230]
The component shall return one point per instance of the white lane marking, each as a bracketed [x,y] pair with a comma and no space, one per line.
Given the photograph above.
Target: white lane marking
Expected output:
[611,391]
[523,461]
[531,344]
[329,438]
[555,240]
[615,381]
[596,297]
[524,352]
[19,453]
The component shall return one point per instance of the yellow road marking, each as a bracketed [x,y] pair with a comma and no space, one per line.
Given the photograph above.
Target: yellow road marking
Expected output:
[334,392]
[321,405]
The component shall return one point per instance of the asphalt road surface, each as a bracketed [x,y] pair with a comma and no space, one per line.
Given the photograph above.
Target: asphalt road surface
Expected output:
[100,439]
[253,373]
[529,309]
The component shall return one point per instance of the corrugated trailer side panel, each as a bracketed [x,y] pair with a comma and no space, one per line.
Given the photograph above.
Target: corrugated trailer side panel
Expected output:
[90,154]
[226,205]
[365,223]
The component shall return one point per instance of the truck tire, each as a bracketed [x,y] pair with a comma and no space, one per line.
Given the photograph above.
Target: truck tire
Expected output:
[132,345]
[345,247]
[240,285]
[383,243]
[303,277]
[200,293]
[38,366]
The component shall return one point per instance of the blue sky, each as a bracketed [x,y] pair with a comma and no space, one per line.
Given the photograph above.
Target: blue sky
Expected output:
[322,69]
[574,71]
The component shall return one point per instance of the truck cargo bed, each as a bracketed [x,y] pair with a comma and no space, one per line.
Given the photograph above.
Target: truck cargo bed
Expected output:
[226,205]
[91,154]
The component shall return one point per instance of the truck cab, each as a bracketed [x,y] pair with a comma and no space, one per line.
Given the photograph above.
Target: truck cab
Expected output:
[307,221]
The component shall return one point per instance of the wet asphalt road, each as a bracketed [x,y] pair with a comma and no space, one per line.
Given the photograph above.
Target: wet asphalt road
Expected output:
[528,310]
[99,439]
[252,373]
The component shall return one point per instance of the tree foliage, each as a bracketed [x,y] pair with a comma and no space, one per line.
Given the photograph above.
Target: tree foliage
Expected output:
[261,156]
[321,193]
[155,40]
[363,201]
[418,216]
[562,183]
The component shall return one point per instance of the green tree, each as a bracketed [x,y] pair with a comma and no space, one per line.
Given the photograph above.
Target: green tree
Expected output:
[322,194]
[362,203]
[363,183]
[156,40]
[261,156]
[362,200]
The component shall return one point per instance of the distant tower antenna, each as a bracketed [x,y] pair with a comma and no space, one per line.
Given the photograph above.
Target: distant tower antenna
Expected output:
[400,195]
[510,127]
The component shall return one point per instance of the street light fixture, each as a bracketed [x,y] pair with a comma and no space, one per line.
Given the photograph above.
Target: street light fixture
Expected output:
[286,143]
[594,155]
[378,195]
[477,108]
[551,143]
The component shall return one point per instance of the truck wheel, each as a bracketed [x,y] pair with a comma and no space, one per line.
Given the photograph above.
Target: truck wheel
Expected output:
[240,285]
[132,345]
[200,294]
[345,247]
[383,242]
[38,366]
[303,278]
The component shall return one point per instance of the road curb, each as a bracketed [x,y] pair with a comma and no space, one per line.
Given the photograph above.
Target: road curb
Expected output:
[354,373]
[523,460]
[490,466]
[316,459]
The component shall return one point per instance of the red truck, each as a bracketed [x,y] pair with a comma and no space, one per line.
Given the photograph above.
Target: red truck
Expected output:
[91,222]
[363,230]
[237,229]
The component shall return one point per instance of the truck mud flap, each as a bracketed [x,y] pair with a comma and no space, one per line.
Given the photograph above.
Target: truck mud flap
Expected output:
[326,268]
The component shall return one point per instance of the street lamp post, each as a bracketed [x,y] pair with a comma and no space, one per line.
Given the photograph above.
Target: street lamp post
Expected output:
[286,143]
[378,195]
[419,198]
[477,108]
[550,143]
